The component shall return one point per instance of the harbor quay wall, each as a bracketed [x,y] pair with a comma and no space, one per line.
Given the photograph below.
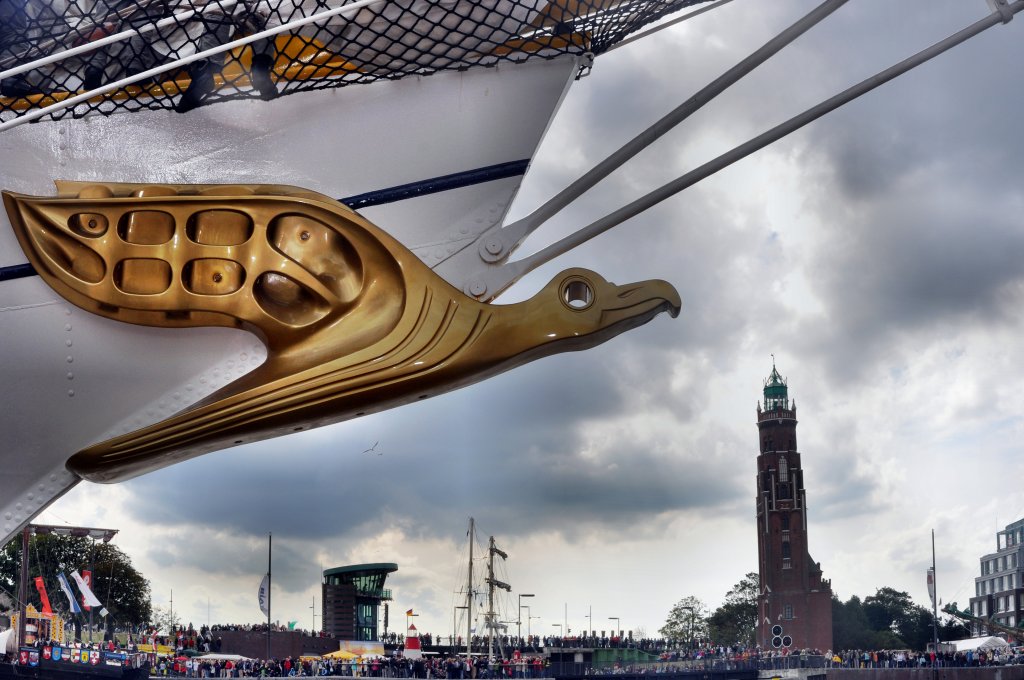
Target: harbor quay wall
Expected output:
[980,673]
[253,644]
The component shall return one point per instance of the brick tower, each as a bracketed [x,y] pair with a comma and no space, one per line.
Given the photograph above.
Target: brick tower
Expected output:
[795,604]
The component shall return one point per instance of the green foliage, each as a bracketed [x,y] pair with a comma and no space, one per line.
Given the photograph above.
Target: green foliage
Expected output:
[735,622]
[687,621]
[889,619]
[164,619]
[117,584]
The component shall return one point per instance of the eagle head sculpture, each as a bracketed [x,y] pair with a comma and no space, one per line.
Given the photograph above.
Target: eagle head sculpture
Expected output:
[353,321]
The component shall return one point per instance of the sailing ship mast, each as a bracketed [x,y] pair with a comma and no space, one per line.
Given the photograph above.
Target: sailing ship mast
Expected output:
[493,583]
[469,595]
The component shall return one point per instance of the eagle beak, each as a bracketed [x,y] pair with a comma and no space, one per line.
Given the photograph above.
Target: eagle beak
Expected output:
[637,303]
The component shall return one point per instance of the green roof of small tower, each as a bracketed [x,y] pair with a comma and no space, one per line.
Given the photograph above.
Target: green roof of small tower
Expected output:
[776,393]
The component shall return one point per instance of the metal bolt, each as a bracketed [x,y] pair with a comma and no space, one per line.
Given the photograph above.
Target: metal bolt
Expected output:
[494,247]
[304,236]
[217,277]
[477,288]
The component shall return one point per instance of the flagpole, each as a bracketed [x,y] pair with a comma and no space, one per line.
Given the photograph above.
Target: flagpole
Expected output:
[935,599]
[270,545]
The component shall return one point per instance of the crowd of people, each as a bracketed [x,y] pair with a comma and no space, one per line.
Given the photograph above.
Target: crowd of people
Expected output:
[395,666]
[517,657]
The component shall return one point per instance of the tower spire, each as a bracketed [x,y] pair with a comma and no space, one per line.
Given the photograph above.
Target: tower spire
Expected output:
[776,392]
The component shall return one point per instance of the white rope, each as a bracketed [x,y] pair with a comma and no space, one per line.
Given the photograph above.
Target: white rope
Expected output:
[176,19]
[651,31]
[184,61]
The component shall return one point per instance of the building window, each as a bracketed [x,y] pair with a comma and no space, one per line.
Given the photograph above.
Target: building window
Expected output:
[783,469]
[785,522]
[787,612]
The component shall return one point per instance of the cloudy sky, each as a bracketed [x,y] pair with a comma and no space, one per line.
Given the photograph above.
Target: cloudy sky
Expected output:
[878,253]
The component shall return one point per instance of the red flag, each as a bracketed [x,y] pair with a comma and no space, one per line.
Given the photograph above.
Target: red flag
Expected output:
[41,587]
[87,577]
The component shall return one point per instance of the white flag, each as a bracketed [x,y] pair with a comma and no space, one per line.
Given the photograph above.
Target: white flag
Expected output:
[66,587]
[264,595]
[87,594]
[931,585]
[103,612]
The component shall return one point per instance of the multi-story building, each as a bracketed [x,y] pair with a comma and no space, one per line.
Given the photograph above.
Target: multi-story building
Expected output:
[351,598]
[795,603]
[999,590]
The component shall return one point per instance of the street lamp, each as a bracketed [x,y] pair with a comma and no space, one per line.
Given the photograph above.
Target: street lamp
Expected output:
[519,618]
[617,624]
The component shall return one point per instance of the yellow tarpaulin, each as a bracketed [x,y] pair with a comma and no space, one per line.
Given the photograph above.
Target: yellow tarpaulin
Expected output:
[341,654]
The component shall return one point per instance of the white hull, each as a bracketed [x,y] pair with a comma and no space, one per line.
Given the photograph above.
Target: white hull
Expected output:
[72,379]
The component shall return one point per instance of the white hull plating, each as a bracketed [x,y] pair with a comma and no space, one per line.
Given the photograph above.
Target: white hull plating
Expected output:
[72,379]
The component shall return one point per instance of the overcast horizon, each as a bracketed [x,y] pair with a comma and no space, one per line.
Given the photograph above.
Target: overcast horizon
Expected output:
[878,254]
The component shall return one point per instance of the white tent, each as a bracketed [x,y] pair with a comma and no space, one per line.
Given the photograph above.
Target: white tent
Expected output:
[221,657]
[983,644]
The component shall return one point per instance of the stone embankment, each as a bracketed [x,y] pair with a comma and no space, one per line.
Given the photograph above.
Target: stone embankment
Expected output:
[985,673]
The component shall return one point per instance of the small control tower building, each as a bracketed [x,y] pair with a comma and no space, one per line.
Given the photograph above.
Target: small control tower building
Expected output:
[351,599]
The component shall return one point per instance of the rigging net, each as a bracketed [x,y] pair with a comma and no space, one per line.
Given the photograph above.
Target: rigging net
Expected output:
[52,50]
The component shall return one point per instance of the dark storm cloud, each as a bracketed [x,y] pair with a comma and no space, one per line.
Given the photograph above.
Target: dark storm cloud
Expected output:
[510,453]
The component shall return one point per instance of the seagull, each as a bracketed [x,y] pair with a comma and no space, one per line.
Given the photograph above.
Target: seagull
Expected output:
[354,322]
[373,448]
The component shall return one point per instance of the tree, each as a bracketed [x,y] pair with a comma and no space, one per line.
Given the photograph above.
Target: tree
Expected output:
[893,610]
[164,619]
[687,620]
[951,628]
[123,591]
[735,622]
[850,627]
[889,619]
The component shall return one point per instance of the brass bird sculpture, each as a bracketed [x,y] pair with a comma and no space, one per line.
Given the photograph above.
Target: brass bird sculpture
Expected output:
[354,322]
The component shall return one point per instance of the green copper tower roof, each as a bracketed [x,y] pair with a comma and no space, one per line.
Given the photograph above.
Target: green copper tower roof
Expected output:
[776,393]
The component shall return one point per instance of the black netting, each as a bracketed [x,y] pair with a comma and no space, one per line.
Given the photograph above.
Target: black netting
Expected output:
[385,39]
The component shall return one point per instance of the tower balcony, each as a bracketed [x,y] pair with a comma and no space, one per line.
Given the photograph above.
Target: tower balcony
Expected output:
[776,414]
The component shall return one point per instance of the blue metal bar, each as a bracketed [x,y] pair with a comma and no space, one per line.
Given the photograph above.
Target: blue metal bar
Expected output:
[437,184]
[17,271]
[379,197]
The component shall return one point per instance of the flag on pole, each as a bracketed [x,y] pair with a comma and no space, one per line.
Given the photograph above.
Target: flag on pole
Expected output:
[103,612]
[264,595]
[66,587]
[87,577]
[87,595]
[43,597]
[931,585]
[409,613]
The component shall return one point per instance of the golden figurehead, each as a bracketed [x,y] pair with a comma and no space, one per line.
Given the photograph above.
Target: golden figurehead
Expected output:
[354,322]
